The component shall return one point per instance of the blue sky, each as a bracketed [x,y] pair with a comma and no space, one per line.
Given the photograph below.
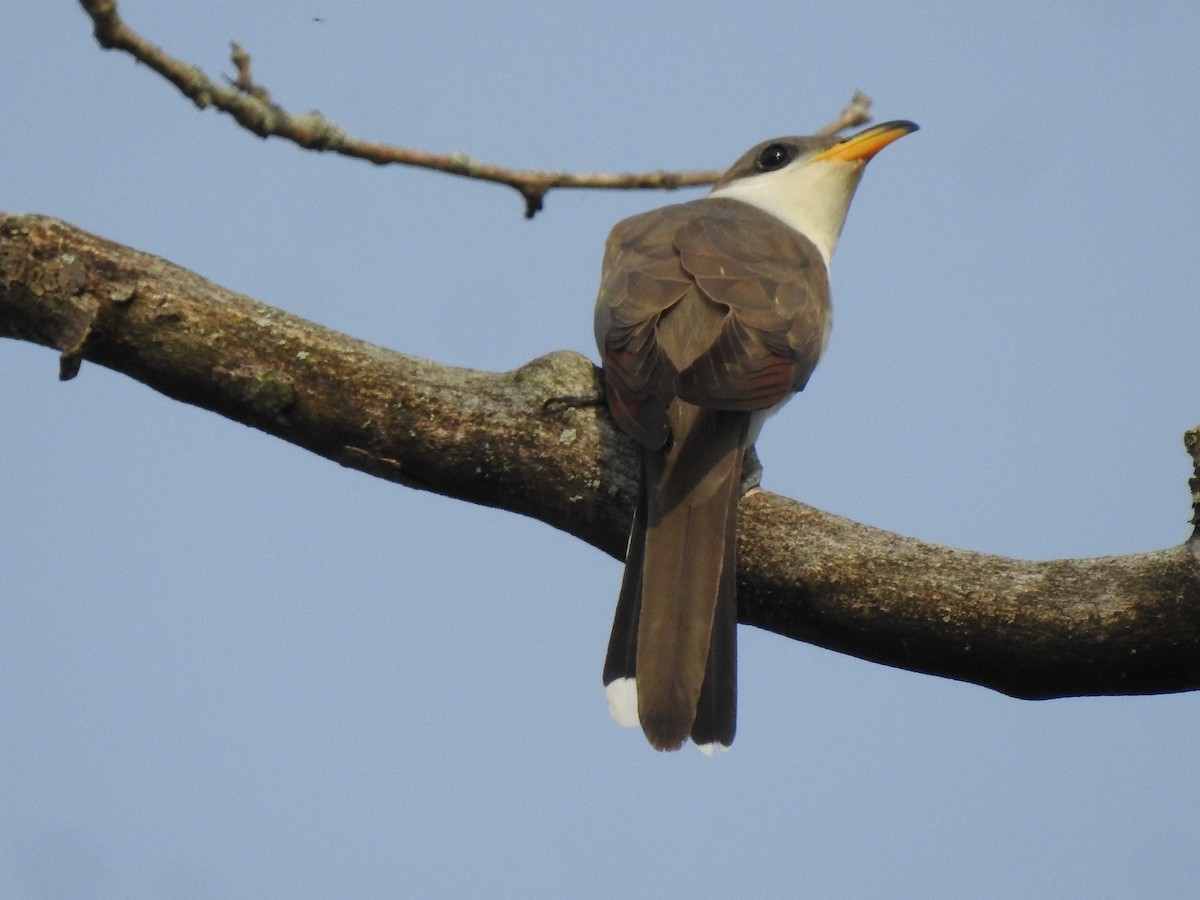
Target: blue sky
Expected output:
[230,669]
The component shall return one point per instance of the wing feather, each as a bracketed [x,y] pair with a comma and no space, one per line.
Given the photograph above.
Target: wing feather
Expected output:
[768,281]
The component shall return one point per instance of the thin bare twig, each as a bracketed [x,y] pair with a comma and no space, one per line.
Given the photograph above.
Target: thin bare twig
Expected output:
[251,106]
[245,81]
[857,112]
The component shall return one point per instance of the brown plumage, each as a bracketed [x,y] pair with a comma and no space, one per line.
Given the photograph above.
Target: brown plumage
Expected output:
[710,315]
[709,312]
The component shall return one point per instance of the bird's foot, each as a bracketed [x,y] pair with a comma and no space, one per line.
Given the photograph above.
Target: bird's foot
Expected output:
[752,470]
[572,401]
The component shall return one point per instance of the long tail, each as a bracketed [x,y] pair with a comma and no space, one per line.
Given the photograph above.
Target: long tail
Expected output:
[673,651]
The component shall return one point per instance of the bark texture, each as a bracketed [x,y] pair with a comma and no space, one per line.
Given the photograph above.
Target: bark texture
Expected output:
[536,441]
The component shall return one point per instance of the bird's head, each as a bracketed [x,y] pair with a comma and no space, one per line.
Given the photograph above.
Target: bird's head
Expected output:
[807,181]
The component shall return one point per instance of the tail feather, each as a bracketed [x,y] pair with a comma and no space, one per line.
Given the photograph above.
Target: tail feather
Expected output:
[688,581]
[620,664]
[716,712]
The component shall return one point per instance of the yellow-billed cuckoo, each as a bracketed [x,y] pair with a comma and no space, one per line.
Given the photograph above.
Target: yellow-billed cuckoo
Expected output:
[711,314]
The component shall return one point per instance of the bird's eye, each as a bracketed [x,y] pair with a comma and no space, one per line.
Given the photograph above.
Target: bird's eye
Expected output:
[773,156]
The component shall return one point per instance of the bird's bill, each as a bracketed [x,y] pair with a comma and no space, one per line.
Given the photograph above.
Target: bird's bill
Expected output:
[866,144]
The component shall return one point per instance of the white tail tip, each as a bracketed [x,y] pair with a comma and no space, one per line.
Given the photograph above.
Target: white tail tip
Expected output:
[623,701]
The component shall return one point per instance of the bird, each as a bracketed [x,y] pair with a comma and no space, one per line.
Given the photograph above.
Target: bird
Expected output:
[710,315]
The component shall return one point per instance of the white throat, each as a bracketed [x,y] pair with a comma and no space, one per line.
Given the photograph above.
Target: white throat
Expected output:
[811,197]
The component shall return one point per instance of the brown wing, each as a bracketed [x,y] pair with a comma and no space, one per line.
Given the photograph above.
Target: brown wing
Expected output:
[642,279]
[776,287]
[768,283]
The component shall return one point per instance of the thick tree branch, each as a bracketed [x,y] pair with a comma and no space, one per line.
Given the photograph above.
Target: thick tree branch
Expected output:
[251,106]
[1118,625]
